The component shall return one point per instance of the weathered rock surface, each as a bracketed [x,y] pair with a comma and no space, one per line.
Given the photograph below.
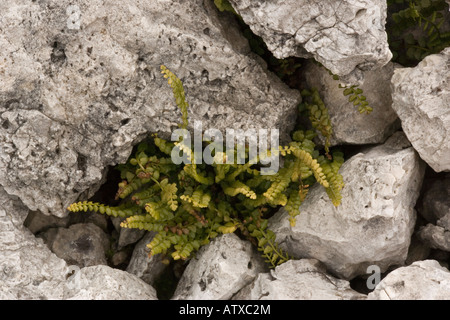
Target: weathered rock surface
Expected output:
[129,236]
[145,268]
[437,236]
[345,36]
[349,126]
[29,270]
[80,86]
[37,222]
[375,220]
[423,280]
[105,283]
[219,270]
[421,99]
[304,279]
[444,222]
[82,244]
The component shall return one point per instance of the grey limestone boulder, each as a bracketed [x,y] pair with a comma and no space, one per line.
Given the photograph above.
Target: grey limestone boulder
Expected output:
[345,36]
[373,224]
[105,283]
[437,236]
[421,99]
[304,279]
[423,280]
[30,271]
[81,244]
[80,85]
[145,267]
[219,270]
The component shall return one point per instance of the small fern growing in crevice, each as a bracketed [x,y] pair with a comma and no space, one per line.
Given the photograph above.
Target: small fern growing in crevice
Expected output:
[187,205]
[416,29]
[355,96]
[354,93]
[318,115]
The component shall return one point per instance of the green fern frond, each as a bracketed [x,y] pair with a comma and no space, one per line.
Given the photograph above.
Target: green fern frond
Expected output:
[236,187]
[266,242]
[163,145]
[125,189]
[228,227]
[169,194]
[357,98]
[331,171]
[198,199]
[416,29]
[103,209]
[178,93]
[159,244]
[318,115]
[279,185]
[296,198]
[142,222]
[307,160]
[202,178]
[159,211]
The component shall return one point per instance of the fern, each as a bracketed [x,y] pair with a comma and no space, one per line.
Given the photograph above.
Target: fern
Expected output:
[119,211]
[318,114]
[296,198]
[335,180]
[187,205]
[199,198]
[357,98]
[178,93]
[256,226]
[416,29]
[237,187]
[355,94]
[169,194]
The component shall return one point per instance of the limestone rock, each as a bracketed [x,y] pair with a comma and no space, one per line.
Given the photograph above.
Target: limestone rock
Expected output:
[349,126]
[444,222]
[37,222]
[80,85]
[304,279]
[105,283]
[421,99]
[129,236]
[219,270]
[437,236]
[145,268]
[30,271]
[82,244]
[423,280]
[375,220]
[345,36]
